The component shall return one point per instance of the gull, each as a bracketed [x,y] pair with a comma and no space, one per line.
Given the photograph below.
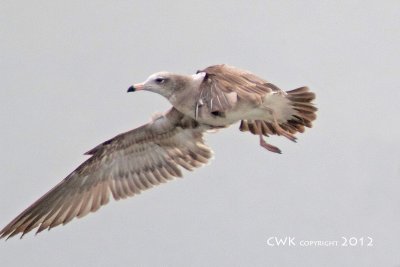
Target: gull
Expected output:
[131,162]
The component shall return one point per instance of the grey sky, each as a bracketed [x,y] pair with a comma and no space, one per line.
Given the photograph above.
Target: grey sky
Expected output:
[65,67]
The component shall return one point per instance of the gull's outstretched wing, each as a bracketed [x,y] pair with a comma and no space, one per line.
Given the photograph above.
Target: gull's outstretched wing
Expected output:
[123,166]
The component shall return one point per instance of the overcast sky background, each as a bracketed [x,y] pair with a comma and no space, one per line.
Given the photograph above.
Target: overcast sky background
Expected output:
[65,67]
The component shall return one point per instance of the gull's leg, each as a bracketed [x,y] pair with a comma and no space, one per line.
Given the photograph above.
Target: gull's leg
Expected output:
[263,143]
[269,147]
[279,129]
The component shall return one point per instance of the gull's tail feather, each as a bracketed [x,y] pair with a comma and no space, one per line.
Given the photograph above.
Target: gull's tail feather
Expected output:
[304,112]
[301,100]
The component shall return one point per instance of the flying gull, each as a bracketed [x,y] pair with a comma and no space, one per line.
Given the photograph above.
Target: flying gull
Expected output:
[154,153]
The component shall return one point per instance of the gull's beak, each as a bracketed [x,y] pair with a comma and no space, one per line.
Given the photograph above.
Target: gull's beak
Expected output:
[135,87]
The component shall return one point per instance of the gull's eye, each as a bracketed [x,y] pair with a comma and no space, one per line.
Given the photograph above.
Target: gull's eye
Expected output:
[159,80]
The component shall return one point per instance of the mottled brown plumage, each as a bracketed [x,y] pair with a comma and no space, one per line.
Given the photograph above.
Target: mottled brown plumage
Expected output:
[129,163]
[123,166]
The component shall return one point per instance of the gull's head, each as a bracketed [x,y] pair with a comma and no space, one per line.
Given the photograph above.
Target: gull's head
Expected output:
[167,83]
[163,83]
